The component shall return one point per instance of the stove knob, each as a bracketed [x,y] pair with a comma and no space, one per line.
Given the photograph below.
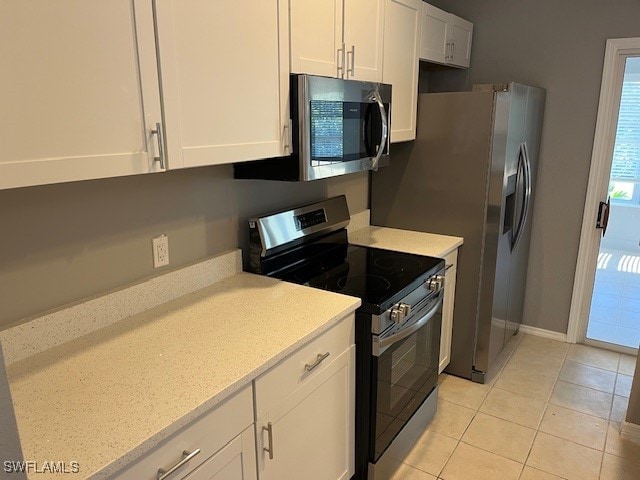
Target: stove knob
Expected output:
[396,315]
[406,309]
[435,283]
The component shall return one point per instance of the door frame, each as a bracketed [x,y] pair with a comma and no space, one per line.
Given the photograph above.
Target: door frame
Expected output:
[616,52]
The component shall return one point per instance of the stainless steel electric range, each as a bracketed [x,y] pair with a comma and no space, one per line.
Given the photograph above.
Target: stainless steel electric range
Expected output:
[397,326]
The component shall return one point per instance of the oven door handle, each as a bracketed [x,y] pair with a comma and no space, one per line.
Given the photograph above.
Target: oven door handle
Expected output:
[380,346]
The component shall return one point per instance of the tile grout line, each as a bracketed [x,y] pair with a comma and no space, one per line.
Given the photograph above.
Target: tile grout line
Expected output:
[544,412]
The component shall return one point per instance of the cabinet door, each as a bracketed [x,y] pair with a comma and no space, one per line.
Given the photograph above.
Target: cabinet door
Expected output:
[79,92]
[435,35]
[221,80]
[316,37]
[363,39]
[312,432]
[461,33]
[400,66]
[236,461]
[447,319]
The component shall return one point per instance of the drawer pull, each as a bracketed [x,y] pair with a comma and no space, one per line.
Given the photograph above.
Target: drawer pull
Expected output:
[319,360]
[448,267]
[162,473]
[269,429]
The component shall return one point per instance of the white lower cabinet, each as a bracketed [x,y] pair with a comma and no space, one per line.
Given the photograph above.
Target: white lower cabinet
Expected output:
[451,262]
[236,461]
[306,428]
[223,433]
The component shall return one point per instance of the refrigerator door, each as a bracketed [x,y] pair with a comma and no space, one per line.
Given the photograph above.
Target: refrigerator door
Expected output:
[520,251]
[508,135]
[438,184]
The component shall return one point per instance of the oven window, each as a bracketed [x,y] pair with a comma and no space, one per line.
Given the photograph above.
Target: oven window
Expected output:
[343,131]
[406,373]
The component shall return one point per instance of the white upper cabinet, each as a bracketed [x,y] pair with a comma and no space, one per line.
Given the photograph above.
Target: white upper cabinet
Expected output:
[316,36]
[221,81]
[79,91]
[435,43]
[460,40]
[445,37]
[363,39]
[400,65]
[340,39]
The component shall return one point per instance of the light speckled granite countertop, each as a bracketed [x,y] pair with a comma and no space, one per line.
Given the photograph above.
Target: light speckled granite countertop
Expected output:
[418,243]
[108,397]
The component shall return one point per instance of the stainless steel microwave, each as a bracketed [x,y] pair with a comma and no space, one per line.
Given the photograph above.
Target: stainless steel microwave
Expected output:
[337,127]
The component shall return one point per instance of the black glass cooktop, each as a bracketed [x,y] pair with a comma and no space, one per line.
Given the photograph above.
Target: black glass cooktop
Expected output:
[379,277]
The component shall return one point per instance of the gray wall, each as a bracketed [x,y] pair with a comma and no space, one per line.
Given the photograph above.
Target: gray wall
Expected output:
[62,243]
[558,46]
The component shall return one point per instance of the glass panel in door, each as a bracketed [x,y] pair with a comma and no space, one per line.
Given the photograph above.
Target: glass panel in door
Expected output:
[615,307]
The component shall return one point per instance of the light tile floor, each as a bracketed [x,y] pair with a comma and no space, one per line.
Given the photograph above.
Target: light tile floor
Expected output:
[615,306]
[549,411]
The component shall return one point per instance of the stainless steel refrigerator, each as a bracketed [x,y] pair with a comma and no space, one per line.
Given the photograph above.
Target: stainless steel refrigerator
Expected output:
[471,172]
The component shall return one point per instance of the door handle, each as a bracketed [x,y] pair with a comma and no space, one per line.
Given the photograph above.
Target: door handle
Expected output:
[269,430]
[385,130]
[160,157]
[352,52]
[603,215]
[523,159]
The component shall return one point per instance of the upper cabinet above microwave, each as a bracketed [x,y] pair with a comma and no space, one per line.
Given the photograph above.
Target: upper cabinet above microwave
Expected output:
[446,38]
[222,82]
[77,106]
[321,46]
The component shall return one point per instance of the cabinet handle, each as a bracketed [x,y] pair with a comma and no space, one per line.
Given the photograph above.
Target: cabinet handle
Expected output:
[319,359]
[160,157]
[448,267]
[287,137]
[340,62]
[162,473]
[453,50]
[353,61]
[269,429]
[446,51]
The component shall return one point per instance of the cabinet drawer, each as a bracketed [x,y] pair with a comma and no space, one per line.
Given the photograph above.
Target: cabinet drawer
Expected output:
[276,384]
[209,433]
[451,258]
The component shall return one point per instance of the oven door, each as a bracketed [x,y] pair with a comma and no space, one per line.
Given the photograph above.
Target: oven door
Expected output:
[344,126]
[404,373]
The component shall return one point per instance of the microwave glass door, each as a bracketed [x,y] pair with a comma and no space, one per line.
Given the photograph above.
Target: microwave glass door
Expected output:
[344,131]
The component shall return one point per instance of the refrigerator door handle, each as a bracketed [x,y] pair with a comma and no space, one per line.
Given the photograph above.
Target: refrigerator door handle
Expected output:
[523,159]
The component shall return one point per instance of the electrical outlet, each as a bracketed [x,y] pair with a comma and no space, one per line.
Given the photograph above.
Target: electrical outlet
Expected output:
[160,251]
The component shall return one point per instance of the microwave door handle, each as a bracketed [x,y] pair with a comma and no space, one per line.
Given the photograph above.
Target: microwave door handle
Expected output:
[366,131]
[385,130]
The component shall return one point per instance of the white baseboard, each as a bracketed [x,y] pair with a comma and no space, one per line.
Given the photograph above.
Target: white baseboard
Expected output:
[630,431]
[541,332]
